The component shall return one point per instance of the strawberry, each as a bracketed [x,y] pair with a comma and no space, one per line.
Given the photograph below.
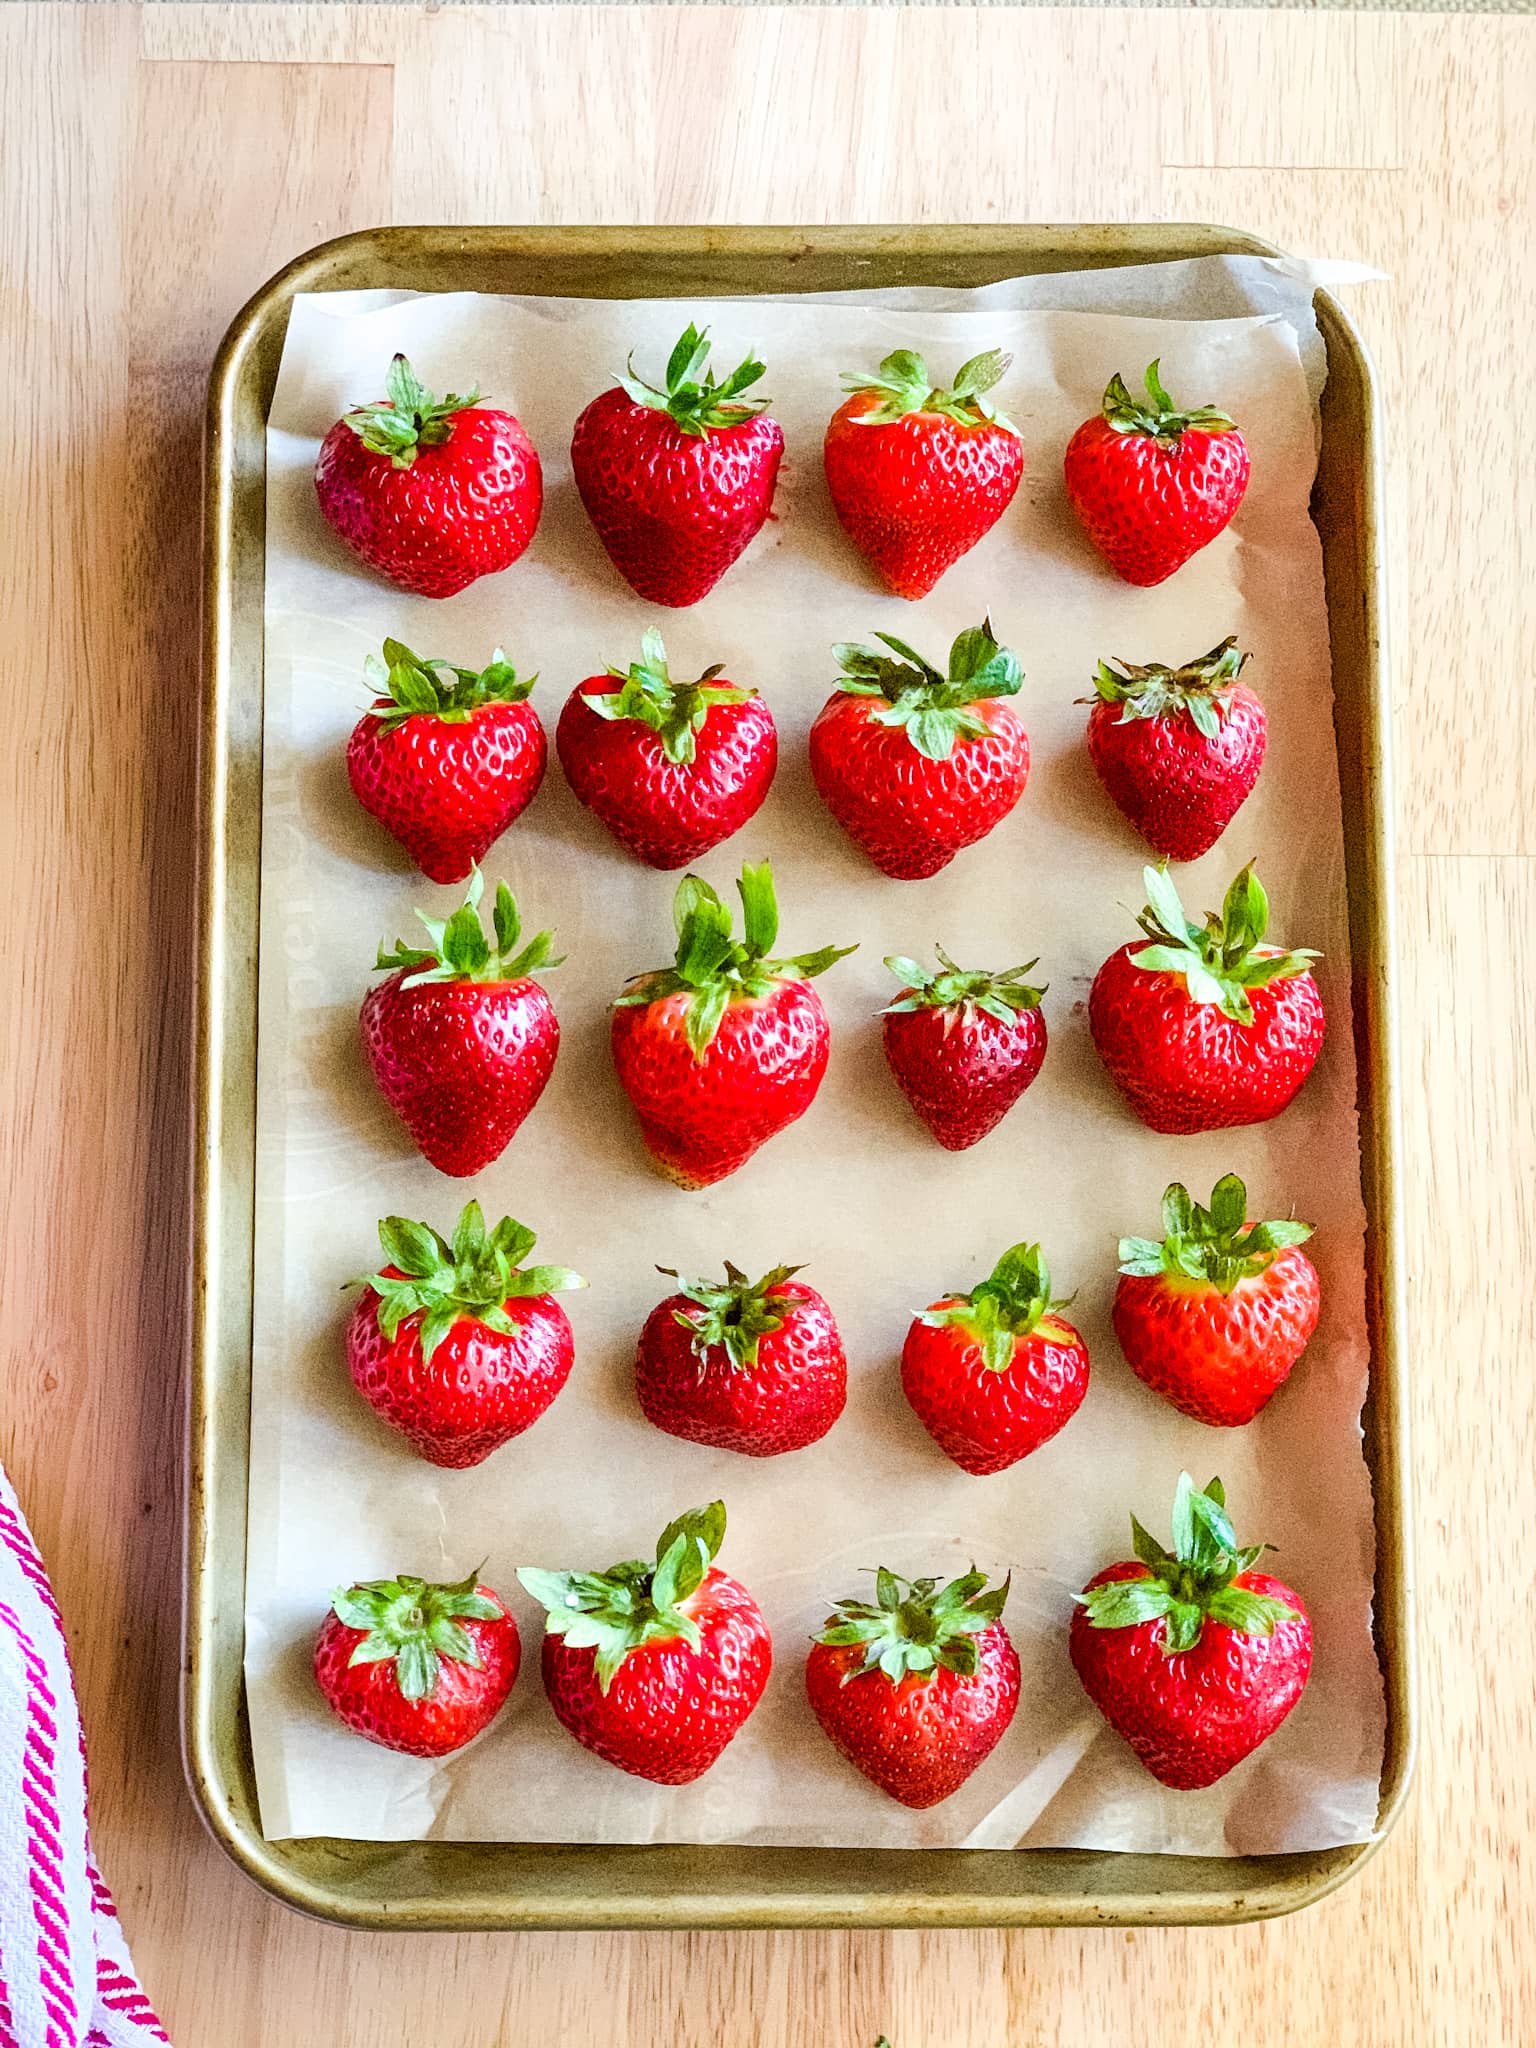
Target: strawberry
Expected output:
[670,768]
[1192,1656]
[654,1667]
[918,473]
[417,1667]
[460,1040]
[1153,485]
[723,1049]
[917,1687]
[1178,749]
[963,1044]
[1214,1315]
[993,1374]
[914,765]
[743,1365]
[677,481]
[430,492]
[1204,1026]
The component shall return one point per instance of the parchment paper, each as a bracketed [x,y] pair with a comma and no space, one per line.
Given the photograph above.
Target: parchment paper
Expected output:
[885,1220]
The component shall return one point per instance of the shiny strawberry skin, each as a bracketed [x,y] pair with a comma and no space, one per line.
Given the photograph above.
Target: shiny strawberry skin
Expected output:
[919,1739]
[1218,1357]
[788,1398]
[1185,1067]
[962,1073]
[670,1710]
[367,1697]
[674,510]
[1148,507]
[460,1062]
[667,813]
[464,509]
[912,815]
[448,789]
[985,1420]
[1191,1716]
[1179,789]
[916,493]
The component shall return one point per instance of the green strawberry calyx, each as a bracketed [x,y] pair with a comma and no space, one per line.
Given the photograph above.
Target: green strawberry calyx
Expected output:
[407,685]
[690,395]
[1221,960]
[1159,417]
[413,419]
[616,1611]
[916,1627]
[713,966]
[962,990]
[474,1276]
[735,1312]
[460,950]
[1013,1303]
[1200,690]
[416,1626]
[1217,1245]
[905,388]
[675,712]
[934,710]
[1193,1583]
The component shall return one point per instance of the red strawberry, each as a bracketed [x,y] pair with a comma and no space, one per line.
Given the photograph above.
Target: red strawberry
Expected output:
[917,1687]
[460,1348]
[670,768]
[993,1374]
[414,1666]
[744,1365]
[1152,485]
[914,765]
[918,473]
[723,1049]
[963,1045]
[460,1040]
[430,492]
[1214,1315]
[1204,1027]
[1179,749]
[1193,1657]
[655,1667]
[677,481]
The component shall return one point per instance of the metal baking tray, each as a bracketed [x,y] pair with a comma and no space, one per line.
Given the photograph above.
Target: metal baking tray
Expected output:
[498,1885]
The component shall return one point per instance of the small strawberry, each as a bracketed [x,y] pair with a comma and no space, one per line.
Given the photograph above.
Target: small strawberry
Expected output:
[654,1667]
[430,492]
[1203,1027]
[993,1374]
[963,1044]
[461,1041]
[1153,485]
[726,1047]
[1214,1315]
[1179,749]
[417,1667]
[677,481]
[1193,1657]
[914,765]
[743,1365]
[918,473]
[670,768]
[916,1688]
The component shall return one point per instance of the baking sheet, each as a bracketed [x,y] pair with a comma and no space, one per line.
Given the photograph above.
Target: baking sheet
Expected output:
[885,1220]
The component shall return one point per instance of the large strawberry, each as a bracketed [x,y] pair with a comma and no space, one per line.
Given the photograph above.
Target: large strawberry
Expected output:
[963,1044]
[918,473]
[655,1667]
[446,765]
[1153,485]
[460,1039]
[430,492]
[1191,1655]
[915,765]
[1214,1315]
[743,1365]
[916,1687]
[1204,1026]
[1179,749]
[724,1048]
[678,480]
[670,768]
[993,1374]
[417,1667]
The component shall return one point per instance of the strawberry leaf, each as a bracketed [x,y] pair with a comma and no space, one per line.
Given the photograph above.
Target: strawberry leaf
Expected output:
[691,397]
[903,387]
[473,1279]
[1221,960]
[1159,417]
[1200,690]
[963,990]
[932,709]
[1215,1244]
[411,419]
[415,1625]
[915,1627]
[459,949]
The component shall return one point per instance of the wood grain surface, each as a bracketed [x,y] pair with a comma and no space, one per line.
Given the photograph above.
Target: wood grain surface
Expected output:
[157,164]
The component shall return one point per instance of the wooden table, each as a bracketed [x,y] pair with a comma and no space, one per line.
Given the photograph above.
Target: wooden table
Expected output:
[158,162]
